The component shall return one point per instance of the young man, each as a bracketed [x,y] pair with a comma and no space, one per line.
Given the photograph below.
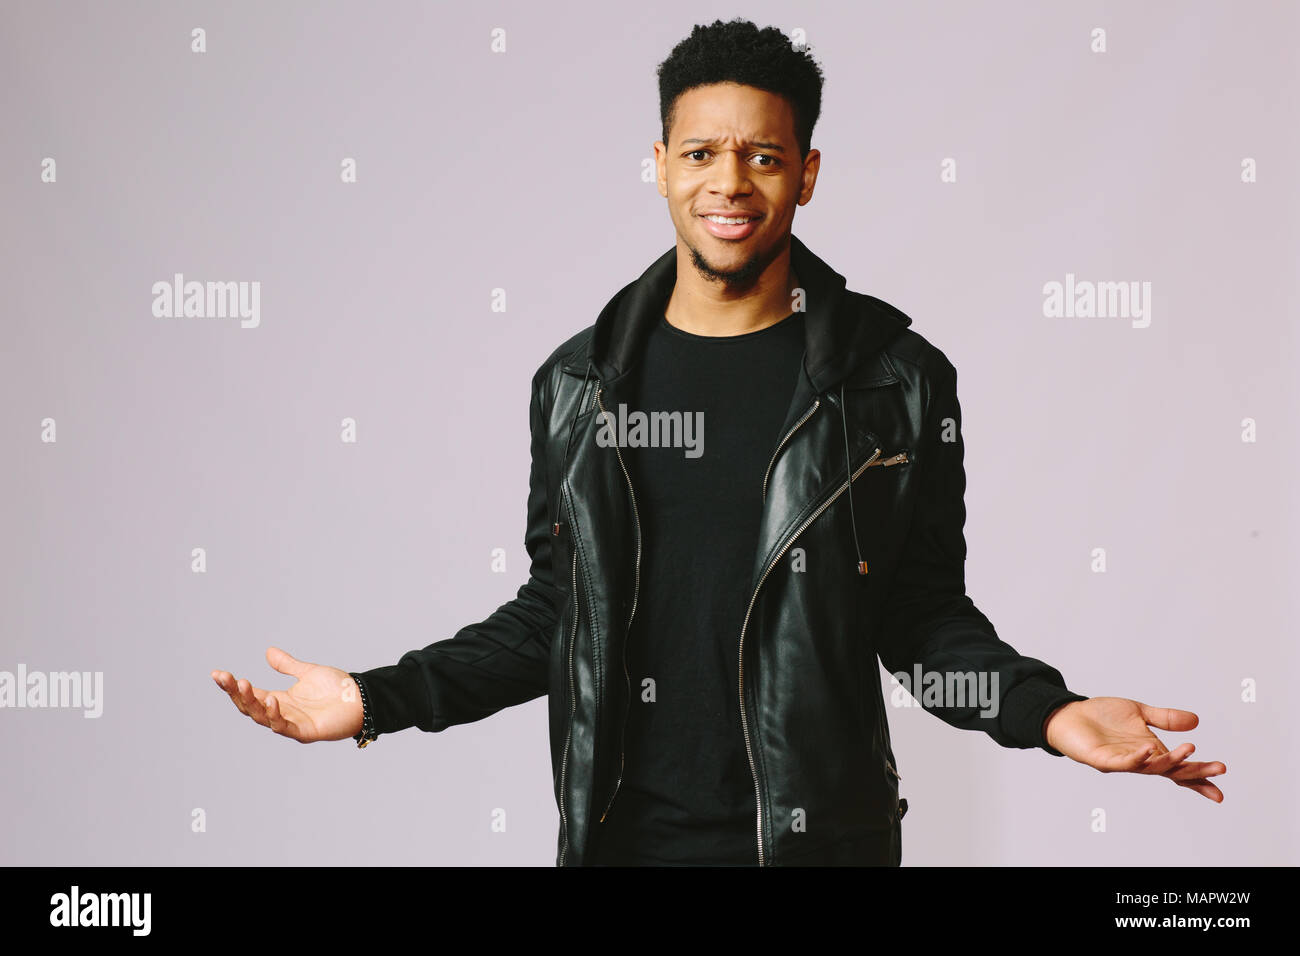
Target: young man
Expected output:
[747,487]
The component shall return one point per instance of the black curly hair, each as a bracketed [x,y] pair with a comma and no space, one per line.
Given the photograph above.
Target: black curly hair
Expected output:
[739,52]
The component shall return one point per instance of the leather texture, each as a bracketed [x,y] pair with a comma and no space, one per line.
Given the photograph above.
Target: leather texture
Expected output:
[826,784]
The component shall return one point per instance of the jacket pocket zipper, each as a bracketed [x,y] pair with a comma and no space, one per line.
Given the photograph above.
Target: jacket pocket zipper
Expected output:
[898,459]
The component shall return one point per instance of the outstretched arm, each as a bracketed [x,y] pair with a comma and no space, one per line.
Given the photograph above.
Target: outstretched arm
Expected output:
[483,668]
[929,621]
[491,665]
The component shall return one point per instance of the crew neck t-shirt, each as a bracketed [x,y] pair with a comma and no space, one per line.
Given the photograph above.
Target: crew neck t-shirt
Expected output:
[687,792]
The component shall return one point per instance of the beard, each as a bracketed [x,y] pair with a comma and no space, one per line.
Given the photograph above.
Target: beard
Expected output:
[737,279]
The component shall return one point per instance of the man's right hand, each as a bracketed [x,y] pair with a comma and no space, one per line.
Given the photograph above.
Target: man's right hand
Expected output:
[323,705]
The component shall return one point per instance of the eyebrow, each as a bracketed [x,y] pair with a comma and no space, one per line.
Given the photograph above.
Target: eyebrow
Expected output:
[775,147]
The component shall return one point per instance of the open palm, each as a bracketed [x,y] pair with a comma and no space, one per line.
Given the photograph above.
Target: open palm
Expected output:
[1113,734]
[322,705]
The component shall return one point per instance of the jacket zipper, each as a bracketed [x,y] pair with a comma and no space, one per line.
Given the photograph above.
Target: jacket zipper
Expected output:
[573,706]
[636,587]
[744,723]
[768,474]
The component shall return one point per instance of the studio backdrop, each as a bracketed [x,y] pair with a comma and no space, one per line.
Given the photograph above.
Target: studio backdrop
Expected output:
[407,206]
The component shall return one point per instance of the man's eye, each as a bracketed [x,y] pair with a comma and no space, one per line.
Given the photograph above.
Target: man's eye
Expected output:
[695,151]
[767,156]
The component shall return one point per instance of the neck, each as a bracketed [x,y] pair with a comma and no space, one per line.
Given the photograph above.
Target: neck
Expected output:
[709,306]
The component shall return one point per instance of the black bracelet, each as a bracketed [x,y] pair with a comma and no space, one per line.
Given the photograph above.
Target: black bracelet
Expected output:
[367,734]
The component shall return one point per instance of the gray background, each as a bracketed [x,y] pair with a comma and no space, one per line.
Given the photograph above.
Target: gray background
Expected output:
[523,171]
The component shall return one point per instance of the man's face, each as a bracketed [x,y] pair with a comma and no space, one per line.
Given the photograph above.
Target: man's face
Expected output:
[732,152]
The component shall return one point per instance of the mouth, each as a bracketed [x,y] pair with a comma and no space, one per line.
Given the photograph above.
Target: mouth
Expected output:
[737,226]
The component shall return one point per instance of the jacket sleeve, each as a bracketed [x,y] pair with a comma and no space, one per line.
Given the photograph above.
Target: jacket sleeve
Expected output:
[493,664]
[928,618]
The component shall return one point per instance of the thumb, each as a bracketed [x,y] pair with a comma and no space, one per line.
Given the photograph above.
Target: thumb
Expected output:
[285,662]
[1167,718]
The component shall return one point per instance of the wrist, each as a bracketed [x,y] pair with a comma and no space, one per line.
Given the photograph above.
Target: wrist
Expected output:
[1047,723]
[356,713]
[364,724]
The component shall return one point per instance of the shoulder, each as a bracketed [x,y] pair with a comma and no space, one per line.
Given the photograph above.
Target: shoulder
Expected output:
[568,352]
[911,354]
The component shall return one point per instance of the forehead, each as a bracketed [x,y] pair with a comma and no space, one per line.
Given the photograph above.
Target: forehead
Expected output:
[732,111]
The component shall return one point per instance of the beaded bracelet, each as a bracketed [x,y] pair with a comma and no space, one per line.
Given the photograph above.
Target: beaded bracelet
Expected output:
[367,734]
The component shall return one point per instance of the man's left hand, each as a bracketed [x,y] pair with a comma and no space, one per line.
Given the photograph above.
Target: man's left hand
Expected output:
[1111,734]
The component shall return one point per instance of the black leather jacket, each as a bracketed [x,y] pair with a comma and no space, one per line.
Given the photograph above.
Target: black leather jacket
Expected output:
[879,573]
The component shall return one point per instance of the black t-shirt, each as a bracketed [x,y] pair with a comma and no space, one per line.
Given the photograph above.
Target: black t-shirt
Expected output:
[687,794]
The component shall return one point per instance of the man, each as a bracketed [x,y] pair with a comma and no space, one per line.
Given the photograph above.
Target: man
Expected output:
[746,488]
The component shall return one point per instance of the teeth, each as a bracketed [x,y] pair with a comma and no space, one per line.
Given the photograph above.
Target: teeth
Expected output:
[729,222]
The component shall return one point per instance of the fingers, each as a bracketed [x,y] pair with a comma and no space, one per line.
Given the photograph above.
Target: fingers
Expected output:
[1195,770]
[278,722]
[262,706]
[1152,757]
[1204,787]
[226,681]
[251,701]
[1167,718]
[1194,775]
[245,696]
[1166,760]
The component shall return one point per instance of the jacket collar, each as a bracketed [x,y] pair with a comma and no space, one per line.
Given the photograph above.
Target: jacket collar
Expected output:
[842,329]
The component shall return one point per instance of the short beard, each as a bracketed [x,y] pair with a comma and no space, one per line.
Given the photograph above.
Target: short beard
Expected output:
[735,279]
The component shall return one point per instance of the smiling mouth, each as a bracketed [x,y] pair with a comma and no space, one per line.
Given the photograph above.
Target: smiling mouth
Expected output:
[731,227]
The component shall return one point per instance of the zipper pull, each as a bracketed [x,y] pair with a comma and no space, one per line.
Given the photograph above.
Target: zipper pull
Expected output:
[895,459]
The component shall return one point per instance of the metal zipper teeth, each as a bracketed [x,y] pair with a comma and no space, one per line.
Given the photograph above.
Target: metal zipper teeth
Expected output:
[573,706]
[636,587]
[768,474]
[744,723]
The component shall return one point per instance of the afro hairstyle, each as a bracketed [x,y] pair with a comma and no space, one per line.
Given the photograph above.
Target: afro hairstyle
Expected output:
[739,52]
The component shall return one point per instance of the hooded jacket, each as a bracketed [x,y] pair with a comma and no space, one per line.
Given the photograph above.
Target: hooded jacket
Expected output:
[880,575]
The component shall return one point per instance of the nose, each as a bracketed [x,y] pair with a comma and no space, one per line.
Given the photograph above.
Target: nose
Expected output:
[730,175]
